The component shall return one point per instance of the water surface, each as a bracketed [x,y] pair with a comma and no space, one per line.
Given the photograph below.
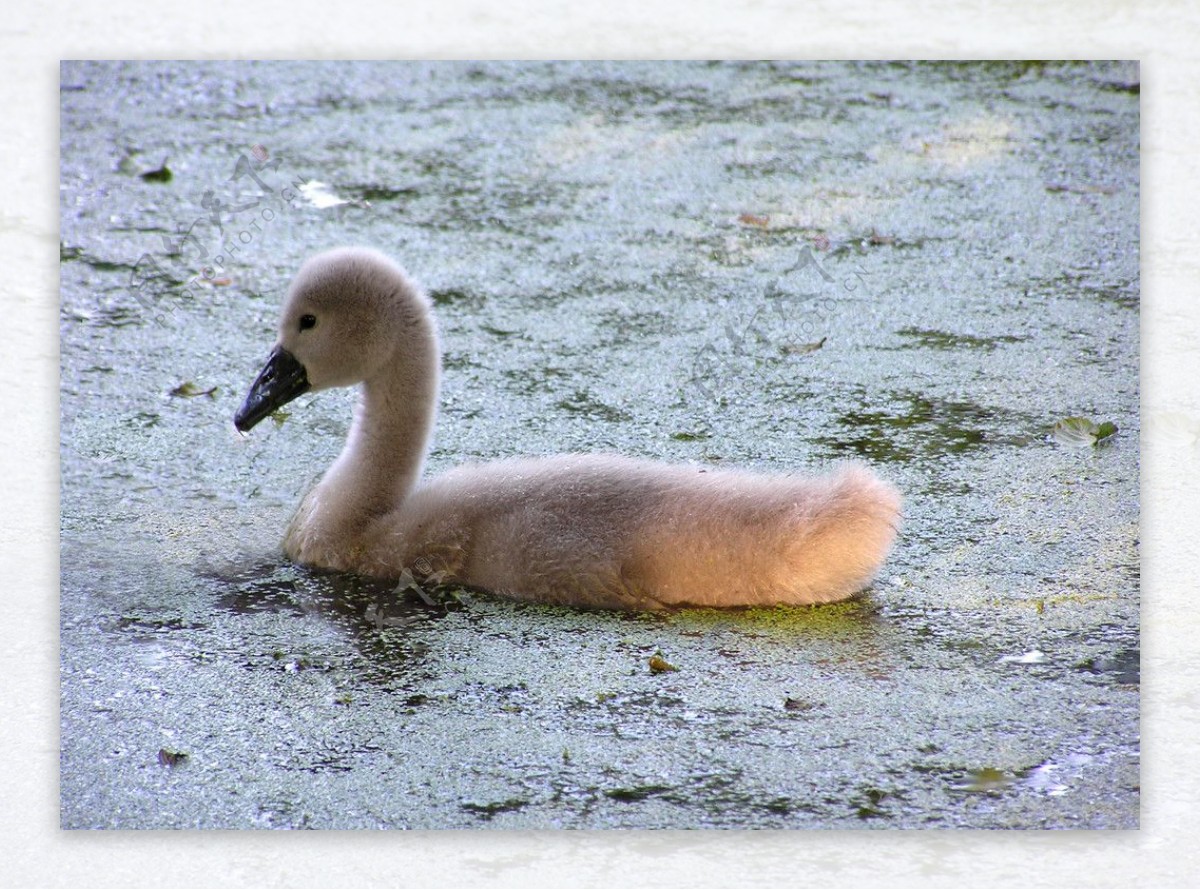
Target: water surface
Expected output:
[776,266]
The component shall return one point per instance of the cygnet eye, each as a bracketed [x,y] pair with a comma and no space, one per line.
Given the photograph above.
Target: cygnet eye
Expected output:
[307,321]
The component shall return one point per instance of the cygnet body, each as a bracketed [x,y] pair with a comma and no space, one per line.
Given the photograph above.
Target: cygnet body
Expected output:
[585,530]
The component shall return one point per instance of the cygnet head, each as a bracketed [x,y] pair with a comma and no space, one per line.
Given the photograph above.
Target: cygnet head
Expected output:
[346,313]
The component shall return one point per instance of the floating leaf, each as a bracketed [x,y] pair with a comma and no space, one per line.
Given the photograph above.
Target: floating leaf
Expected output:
[189,390]
[986,779]
[1080,432]
[162,174]
[797,704]
[803,348]
[750,219]
[659,665]
[169,757]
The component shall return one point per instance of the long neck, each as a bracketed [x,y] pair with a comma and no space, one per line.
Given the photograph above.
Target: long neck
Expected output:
[386,447]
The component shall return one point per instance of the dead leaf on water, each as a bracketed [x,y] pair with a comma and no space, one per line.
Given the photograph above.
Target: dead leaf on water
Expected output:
[803,348]
[162,174]
[1081,432]
[659,665]
[189,390]
[170,757]
[798,704]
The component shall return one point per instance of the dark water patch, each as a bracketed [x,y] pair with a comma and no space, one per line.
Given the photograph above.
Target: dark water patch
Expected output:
[935,339]
[500,333]
[1123,667]
[376,194]
[1098,133]
[776,163]
[339,101]
[973,72]
[328,758]
[457,298]
[265,588]
[1132,87]
[1126,294]
[443,164]
[488,811]
[636,793]
[623,98]
[873,803]
[624,324]
[67,254]
[149,621]
[864,243]
[929,427]
[583,404]
[536,380]
[481,697]
[379,615]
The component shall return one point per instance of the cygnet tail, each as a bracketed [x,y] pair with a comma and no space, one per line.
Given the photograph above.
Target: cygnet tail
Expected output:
[728,538]
[841,536]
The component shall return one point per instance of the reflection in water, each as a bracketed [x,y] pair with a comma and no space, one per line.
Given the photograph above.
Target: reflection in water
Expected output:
[380,616]
[1045,778]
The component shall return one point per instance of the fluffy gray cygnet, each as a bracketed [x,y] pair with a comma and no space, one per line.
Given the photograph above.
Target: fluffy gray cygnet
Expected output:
[579,529]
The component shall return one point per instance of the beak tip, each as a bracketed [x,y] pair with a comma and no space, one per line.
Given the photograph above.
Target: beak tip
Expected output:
[281,380]
[243,422]
[250,414]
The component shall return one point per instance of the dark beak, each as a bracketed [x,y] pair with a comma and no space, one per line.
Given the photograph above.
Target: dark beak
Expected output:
[281,380]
